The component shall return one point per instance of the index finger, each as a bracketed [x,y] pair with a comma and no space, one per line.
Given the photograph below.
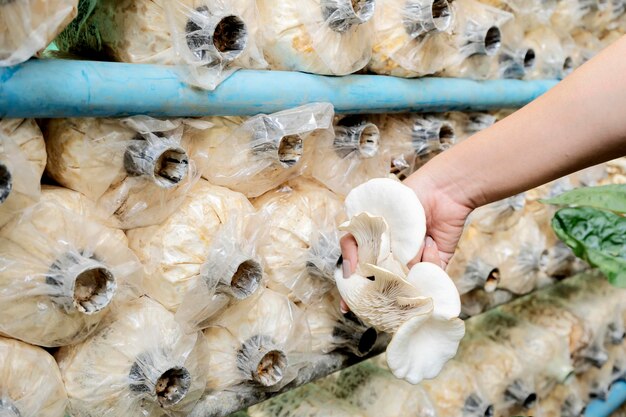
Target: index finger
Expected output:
[349,253]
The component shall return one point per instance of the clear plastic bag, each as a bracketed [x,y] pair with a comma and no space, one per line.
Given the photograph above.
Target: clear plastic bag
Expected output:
[300,243]
[259,344]
[31,384]
[308,400]
[28,26]
[22,162]
[331,37]
[456,392]
[208,40]
[413,139]
[231,272]
[141,364]
[331,330]
[552,60]
[563,401]
[478,301]
[477,38]
[377,393]
[138,169]
[353,157]
[516,57]
[61,274]
[265,150]
[570,14]
[498,216]
[466,125]
[174,253]
[413,38]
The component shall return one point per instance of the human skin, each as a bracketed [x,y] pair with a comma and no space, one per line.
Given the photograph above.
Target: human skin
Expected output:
[579,123]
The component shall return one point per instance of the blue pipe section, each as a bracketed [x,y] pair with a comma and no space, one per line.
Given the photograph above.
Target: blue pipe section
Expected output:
[64,88]
[616,398]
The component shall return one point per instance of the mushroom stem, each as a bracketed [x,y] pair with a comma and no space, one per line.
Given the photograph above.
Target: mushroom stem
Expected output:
[476,406]
[244,281]
[6,183]
[341,15]
[262,360]
[356,135]
[424,16]
[8,409]
[165,164]
[521,394]
[81,284]
[169,387]
[479,41]
[211,37]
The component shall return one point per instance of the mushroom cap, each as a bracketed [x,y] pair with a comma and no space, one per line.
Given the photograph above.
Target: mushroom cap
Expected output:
[401,209]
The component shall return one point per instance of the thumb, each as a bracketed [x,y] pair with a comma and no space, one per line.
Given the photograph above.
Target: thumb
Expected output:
[431,252]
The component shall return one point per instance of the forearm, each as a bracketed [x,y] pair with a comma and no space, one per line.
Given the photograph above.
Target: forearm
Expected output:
[579,123]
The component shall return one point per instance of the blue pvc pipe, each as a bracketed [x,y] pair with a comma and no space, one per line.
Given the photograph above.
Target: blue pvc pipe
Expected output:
[65,88]
[616,398]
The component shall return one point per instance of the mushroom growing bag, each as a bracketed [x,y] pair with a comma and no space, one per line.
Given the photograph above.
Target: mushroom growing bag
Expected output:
[22,162]
[259,344]
[28,26]
[300,243]
[353,157]
[552,58]
[138,169]
[330,37]
[420,306]
[265,150]
[30,382]
[209,40]
[331,330]
[413,38]
[140,364]
[60,274]
[175,253]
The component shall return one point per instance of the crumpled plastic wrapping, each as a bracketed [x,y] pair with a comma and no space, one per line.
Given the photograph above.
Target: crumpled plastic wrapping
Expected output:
[209,40]
[30,382]
[552,58]
[138,169]
[413,38]
[61,274]
[516,57]
[607,18]
[563,401]
[22,162]
[259,344]
[595,383]
[332,330]
[141,364]
[528,13]
[455,392]
[28,26]
[498,216]
[587,46]
[377,393]
[331,37]
[477,38]
[265,150]
[300,243]
[353,157]
[478,300]
[231,272]
[174,253]
[570,14]
[467,124]
[308,400]
[413,139]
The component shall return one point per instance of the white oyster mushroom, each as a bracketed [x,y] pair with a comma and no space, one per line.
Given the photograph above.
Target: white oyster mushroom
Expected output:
[421,309]
[390,199]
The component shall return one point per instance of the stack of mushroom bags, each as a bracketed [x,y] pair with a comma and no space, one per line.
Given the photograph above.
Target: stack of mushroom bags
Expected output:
[547,354]
[208,40]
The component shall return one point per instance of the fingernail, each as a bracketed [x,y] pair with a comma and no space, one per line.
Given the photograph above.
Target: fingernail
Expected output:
[343,309]
[429,242]
[347,268]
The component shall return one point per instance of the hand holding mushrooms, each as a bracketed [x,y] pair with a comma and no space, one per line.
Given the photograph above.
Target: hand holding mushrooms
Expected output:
[419,306]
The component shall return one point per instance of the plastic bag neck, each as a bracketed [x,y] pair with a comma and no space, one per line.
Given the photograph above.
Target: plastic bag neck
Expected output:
[341,15]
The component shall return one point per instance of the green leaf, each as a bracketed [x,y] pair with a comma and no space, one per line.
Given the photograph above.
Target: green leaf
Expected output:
[597,236]
[607,197]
